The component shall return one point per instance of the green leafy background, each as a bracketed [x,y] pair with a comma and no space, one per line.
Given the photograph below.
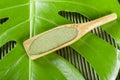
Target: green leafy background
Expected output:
[30,17]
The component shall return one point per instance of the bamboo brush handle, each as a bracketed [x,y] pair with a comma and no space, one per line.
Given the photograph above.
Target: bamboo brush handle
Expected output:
[78,30]
[98,22]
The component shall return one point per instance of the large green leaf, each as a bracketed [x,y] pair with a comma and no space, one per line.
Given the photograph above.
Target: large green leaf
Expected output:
[20,26]
[28,18]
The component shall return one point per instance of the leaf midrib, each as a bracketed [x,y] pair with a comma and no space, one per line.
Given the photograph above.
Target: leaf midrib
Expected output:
[32,19]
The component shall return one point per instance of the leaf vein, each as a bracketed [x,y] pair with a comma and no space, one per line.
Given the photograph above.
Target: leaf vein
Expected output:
[14,6]
[45,19]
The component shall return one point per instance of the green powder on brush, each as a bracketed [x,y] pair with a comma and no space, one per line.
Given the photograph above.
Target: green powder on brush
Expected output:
[52,39]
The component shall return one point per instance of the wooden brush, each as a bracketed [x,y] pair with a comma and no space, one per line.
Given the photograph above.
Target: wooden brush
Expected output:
[61,36]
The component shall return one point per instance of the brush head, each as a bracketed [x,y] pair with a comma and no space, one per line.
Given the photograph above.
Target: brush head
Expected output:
[50,40]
